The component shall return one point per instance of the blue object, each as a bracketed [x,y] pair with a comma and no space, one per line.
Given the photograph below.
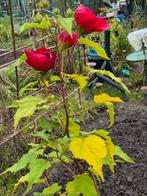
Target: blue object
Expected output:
[121,17]
[125,72]
[92,52]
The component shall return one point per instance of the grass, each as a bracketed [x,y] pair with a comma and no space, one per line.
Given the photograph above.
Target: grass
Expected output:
[7,44]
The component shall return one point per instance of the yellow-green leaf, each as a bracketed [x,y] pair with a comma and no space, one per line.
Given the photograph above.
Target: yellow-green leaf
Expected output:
[37,167]
[26,107]
[109,160]
[119,152]
[104,98]
[111,112]
[99,50]
[49,191]
[82,184]
[102,133]
[73,127]
[25,160]
[23,179]
[91,149]
[28,87]
[109,74]
[44,24]
[55,78]
[66,23]
[80,79]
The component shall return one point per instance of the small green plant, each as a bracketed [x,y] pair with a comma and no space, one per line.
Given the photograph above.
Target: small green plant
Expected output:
[5,28]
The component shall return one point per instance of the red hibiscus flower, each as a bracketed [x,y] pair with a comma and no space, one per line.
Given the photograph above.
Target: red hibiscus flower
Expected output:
[68,40]
[88,22]
[41,59]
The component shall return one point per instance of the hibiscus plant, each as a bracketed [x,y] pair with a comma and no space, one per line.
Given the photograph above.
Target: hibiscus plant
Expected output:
[88,151]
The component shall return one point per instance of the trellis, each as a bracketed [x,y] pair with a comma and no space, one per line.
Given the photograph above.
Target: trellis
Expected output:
[6,109]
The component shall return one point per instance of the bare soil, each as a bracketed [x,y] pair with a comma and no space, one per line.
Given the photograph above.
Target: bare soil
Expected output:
[130,133]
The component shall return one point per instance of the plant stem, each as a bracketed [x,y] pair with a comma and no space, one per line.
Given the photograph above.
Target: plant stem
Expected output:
[66,165]
[95,183]
[63,94]
[78,166]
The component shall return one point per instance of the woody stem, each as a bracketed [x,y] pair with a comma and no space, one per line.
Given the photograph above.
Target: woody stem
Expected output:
[63,94]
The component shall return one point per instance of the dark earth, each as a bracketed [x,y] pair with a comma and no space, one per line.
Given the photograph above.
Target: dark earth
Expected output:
[8,58]
[130,133]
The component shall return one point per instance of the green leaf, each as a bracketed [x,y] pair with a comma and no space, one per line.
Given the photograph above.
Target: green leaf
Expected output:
[44,24]
[74,128]
[22,59]
[29,87]
[99,50]
[26,107]
[49,191]
[24,161]
[61,144]
[66,23]
[111,113]
[28,26]
[102,133]
[82,184]
[109,74]
[118,152]
[44,124]
[42,135]
[55,78]
[80,79]
[37,167]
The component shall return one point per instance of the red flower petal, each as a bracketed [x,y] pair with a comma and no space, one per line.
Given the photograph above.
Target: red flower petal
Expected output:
[41,59]
[66,38]
[39,62]
[42,51]
[83,15]
[98,25]
[88,21]
[29,52]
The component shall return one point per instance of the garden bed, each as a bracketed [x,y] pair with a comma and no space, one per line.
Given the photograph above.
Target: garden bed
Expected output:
[9,57]
[130,133]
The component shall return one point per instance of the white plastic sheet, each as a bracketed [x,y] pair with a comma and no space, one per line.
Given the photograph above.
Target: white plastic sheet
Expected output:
[138,38]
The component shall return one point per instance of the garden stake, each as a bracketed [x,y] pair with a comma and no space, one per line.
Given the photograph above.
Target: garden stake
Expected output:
[14,48]
[79,98]
[80,65]
[84,51]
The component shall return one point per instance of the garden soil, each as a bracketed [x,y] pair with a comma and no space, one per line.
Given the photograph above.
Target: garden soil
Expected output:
[130,133]
[9,57]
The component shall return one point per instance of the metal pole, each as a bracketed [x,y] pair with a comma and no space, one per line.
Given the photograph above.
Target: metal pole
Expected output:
[14,47]
[107,42]
[65,6]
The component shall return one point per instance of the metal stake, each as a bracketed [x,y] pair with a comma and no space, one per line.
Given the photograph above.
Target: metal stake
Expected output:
[14,47]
